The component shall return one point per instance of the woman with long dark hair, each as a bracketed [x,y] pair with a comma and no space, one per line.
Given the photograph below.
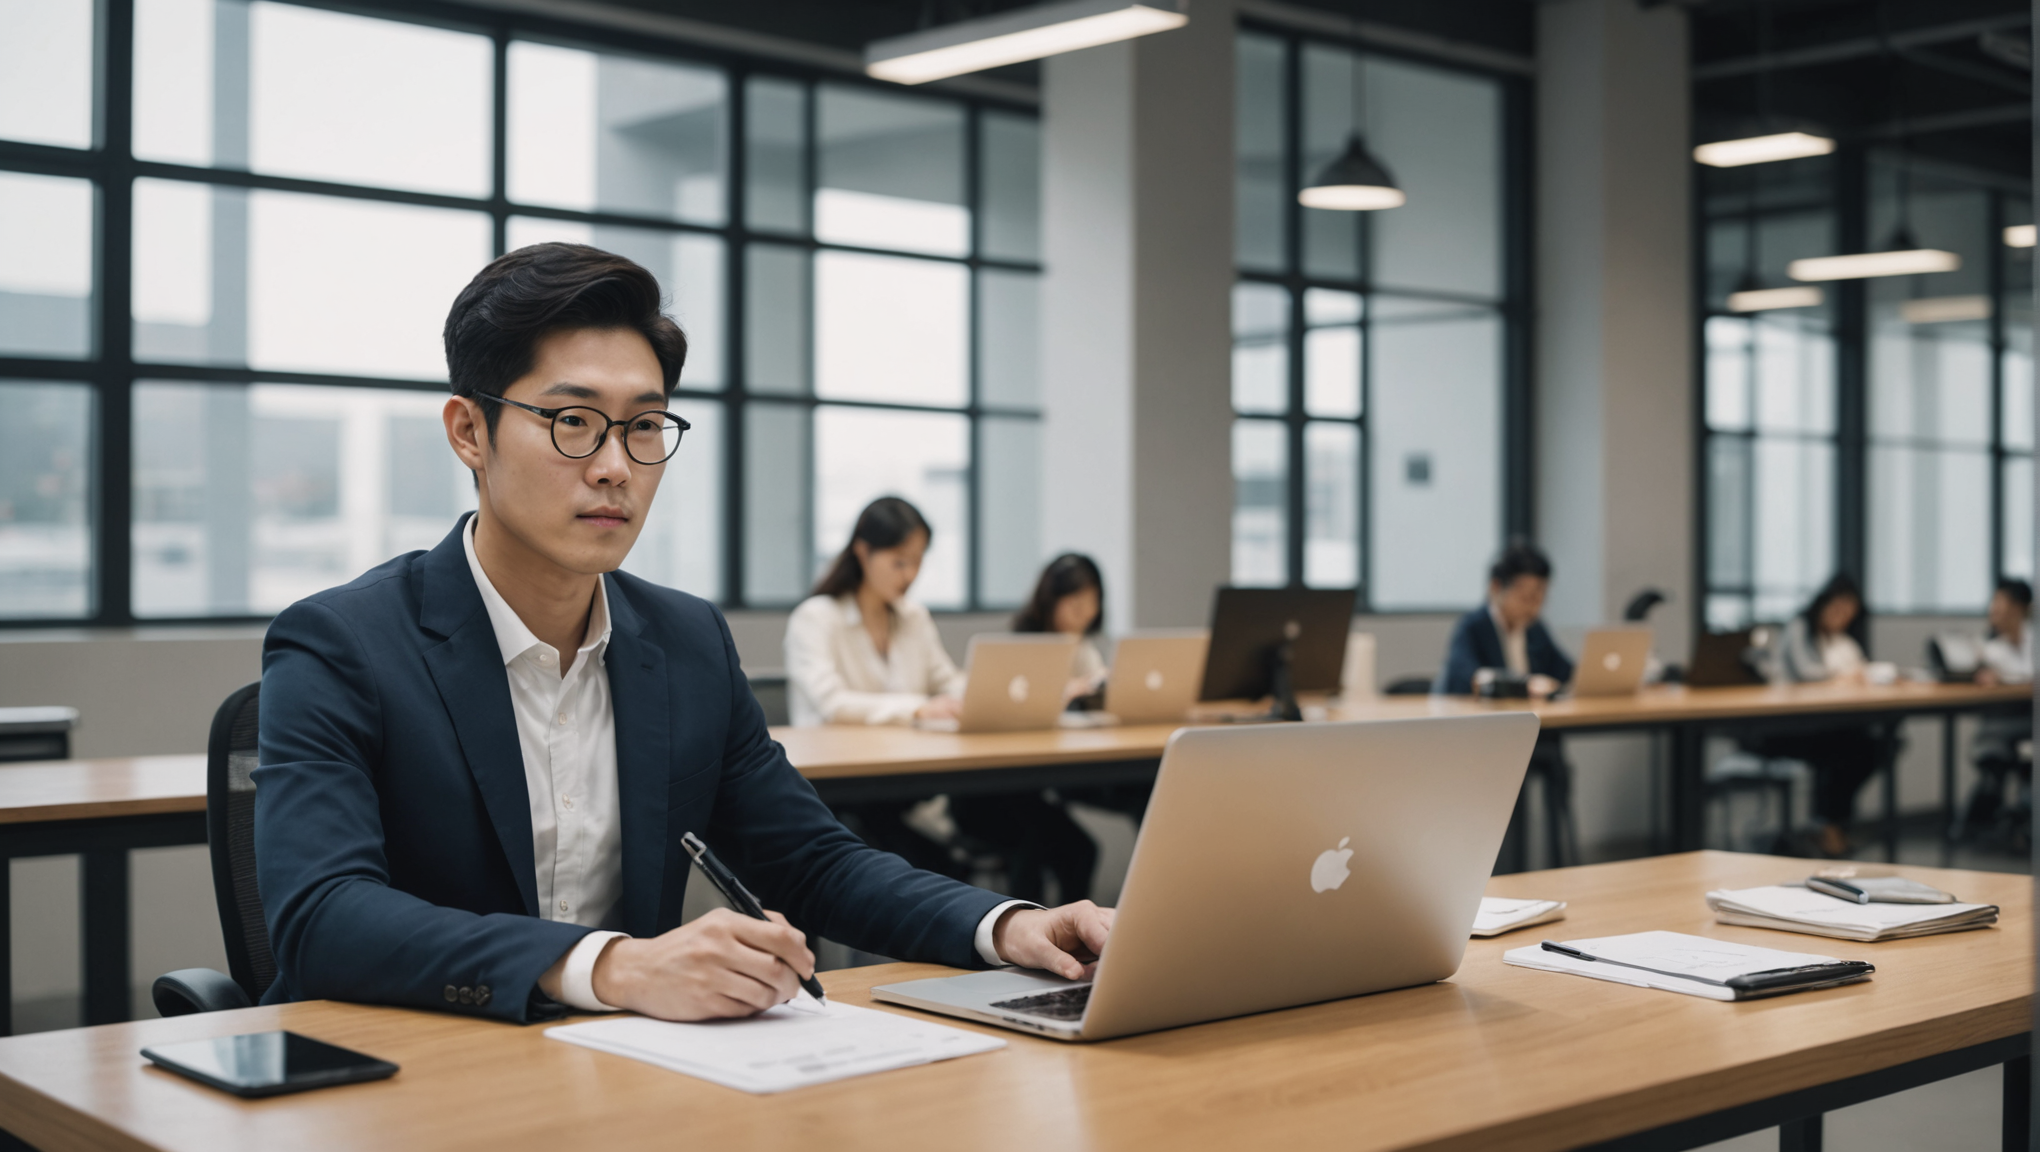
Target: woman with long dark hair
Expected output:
[859,651]
[1070,598]
[1826,641]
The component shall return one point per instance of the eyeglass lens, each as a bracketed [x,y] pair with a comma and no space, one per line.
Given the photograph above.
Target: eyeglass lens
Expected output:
[649,437]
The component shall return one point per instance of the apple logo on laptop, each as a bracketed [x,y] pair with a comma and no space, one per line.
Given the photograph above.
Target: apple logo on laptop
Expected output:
[1330,871]
[1017,690]
[1154,680]
[1612,661]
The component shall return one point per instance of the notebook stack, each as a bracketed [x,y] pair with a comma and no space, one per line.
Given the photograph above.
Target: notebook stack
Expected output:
[1790,908]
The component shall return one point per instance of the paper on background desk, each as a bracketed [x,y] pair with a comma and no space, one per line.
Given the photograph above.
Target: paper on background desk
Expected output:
[791,1046]
[1790,908]
[1669,952]
[1498,915]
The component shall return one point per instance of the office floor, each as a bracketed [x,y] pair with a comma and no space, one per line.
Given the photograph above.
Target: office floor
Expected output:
[1957,1115]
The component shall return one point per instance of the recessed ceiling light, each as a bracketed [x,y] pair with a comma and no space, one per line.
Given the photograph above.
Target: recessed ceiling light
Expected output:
[1763,149]
[1010,37]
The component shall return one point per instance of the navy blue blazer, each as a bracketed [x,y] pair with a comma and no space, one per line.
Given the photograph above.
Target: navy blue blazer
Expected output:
[1477,643]
[393,834]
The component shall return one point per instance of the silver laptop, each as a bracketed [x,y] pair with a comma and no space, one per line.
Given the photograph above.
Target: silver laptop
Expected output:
[1612,662]
[1277,866]
[1015,682]
[1155,676]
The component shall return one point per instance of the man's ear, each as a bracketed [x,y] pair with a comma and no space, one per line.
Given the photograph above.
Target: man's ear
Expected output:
[466,432]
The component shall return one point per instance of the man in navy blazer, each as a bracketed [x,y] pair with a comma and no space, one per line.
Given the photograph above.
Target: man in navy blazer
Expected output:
[477,762]
[1506,634]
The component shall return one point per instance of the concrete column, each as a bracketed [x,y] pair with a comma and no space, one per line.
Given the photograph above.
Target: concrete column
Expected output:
[1614,393]
[1138,217]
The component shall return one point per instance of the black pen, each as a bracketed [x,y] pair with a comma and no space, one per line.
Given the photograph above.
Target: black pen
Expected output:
[740,897]
[1840,889]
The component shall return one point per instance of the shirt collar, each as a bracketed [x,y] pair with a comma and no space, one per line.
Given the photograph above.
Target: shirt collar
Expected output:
[512,637]
[1495,615]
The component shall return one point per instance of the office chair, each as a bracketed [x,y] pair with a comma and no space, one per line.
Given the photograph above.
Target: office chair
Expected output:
[230,831]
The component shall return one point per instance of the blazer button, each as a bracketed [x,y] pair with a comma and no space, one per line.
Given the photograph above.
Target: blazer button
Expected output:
[467,995]
[452,994]
[482,994]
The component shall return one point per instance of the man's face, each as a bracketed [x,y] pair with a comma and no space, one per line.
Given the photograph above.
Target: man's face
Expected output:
[582,515]
[1520,601]
[2006,617]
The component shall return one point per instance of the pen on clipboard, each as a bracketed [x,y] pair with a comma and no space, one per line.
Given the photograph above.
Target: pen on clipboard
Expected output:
[740,897]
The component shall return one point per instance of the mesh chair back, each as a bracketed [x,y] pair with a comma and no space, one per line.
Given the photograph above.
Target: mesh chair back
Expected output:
[230,830]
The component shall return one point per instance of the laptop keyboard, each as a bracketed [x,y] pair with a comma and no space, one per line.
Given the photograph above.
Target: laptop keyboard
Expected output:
[1061,1004]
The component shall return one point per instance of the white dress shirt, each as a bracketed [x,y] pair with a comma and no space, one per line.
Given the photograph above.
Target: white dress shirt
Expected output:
[1515,644]
[566,730]
[835,674]
[2012,662]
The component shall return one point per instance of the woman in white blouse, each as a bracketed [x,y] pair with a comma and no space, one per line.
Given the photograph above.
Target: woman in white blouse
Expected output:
[859,652]
[1825,642]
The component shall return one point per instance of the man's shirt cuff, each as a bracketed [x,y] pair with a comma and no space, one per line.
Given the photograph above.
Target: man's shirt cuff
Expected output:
[577,979]
[983,940]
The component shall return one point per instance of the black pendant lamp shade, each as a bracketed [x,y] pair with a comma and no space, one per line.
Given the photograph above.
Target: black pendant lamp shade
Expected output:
[1355,182]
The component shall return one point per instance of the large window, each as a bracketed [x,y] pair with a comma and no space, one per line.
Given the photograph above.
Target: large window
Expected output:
[1884,431]
[1373,352]
[225,256]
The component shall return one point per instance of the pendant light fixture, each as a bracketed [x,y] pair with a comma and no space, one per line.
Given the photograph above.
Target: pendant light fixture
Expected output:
[1029,33]
[1750,295]
[1356,181]
[1768,147]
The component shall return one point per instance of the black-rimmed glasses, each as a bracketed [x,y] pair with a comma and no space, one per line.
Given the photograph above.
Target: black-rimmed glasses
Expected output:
[650,437]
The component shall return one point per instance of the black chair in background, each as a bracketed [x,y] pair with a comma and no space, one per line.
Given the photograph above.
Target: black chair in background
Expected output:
[230,831]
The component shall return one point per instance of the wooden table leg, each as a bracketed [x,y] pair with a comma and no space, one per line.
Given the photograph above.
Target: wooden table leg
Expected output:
[104,915]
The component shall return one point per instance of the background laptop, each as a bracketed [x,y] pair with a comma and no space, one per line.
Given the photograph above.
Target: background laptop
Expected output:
[1015,683]
[1612,662]
[1155,676]
[1278,866]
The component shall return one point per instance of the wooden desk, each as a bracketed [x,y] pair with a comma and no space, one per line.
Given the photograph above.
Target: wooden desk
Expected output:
[100,809]
[1495,1058]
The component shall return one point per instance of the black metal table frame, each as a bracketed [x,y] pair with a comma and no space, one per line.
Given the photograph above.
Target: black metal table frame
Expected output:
[103,903]
[1798,1115]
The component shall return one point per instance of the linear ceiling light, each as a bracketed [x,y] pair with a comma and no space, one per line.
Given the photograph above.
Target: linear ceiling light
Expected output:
[1945,309]
[1008,38]
[1762,149]
[1864,265]
[2019,236]
[1768,299]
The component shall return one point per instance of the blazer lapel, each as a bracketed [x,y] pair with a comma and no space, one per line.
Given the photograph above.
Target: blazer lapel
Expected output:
[639,699]
[468,670]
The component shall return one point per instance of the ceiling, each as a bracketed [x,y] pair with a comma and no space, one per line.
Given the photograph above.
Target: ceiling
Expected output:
[1950,80]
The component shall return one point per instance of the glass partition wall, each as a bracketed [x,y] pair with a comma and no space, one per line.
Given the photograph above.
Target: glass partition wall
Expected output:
[230,232]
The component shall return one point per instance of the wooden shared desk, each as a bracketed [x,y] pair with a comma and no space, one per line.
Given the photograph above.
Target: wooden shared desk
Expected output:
[1493,1058]
[103,808]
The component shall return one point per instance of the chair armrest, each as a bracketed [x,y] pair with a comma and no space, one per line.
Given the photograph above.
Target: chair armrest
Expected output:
[189,990]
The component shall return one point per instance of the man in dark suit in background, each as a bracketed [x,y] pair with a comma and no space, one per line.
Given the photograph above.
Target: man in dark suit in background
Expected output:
[477,762]
[1507,635]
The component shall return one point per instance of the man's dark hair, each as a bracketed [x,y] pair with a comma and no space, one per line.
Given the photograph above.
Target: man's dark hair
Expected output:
[1519,559]
[2017,591]
[492,333]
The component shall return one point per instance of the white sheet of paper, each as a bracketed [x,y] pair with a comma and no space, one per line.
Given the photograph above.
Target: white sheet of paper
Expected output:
[1674,953]
[1497,914]
[1789,903]
[791,1046]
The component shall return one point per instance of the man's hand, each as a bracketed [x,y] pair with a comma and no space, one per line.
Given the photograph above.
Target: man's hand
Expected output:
[1987,677]
[720,964]
[1066,941]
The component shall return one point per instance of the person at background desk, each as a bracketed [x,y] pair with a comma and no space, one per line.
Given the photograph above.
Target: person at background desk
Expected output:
[860,651]
[1825,643]
[477,762]
[2002,733]
[1069,598]
[1508,634]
